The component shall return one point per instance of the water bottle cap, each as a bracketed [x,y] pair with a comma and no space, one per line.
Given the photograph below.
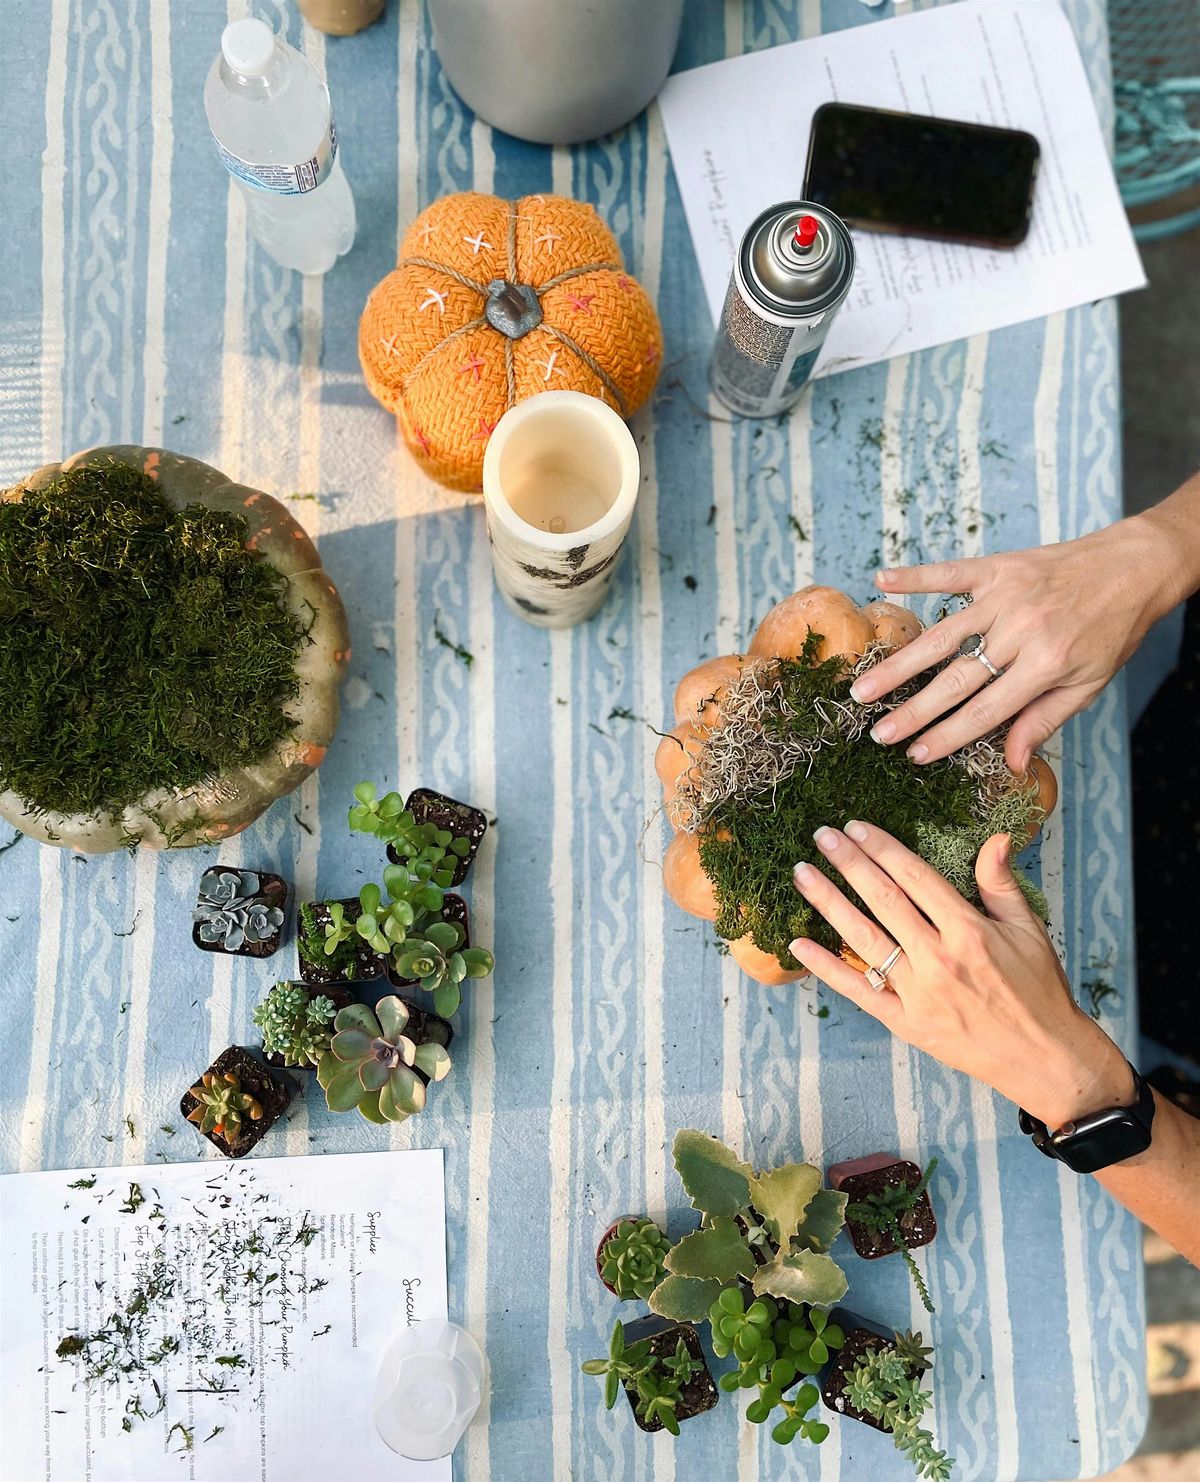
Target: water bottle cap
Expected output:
[248,46]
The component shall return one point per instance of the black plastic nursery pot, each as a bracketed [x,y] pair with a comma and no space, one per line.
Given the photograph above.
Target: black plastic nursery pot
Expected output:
[861,1177]
[454,908]
[338,996]
[365,965]
[699,1393]
[426,1028]
[459,819]
[272,1092]
[272,890]
[862,1335]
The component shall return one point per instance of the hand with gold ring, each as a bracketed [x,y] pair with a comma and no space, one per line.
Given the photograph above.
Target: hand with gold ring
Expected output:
[1044,633]
[982,991]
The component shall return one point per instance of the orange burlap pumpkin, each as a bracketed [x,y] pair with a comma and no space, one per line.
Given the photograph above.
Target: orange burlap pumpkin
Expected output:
[493,301]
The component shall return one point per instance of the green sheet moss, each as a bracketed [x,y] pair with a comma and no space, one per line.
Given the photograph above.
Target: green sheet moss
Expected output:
[753,840]
[140,647]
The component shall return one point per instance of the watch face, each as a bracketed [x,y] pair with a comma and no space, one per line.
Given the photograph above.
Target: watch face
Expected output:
[1095,1142]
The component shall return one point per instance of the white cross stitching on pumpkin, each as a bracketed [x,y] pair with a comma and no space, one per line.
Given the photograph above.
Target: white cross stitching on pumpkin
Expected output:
[427,231]
[476,242]
[549,237]
[432,296]
[550,365]
[389,344]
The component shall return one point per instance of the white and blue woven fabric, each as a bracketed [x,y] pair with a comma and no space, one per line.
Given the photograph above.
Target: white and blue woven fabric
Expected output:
[134,308]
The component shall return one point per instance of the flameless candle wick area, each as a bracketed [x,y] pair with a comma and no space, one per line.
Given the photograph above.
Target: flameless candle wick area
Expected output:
[560,480]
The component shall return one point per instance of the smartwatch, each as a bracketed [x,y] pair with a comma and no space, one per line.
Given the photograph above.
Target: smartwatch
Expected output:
[1090,1143]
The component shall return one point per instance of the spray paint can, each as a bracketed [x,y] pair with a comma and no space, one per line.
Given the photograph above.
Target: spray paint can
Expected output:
[790,277]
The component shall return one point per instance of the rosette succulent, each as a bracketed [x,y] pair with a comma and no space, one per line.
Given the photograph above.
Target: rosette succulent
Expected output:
[295,1026]
[632,1259]
[439,963]
[372,1065]
[229,913]
[222,1105]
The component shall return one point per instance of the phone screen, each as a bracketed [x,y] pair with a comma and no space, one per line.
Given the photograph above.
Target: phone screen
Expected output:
[922,176]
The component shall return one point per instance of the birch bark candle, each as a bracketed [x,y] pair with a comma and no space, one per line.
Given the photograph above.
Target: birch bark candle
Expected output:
[560,480]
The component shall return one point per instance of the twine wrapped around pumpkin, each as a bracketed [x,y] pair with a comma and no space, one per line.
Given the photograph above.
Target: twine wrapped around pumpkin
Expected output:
[493,301]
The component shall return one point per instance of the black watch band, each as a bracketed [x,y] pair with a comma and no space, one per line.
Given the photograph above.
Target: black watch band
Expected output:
[1090,1143]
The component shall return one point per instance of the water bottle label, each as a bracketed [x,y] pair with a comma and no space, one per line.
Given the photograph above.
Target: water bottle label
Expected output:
[286,180]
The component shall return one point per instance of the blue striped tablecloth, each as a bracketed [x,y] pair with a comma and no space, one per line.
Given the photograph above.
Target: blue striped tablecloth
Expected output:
[135,308]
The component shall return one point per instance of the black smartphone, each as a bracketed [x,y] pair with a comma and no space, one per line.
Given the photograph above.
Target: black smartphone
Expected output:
[919,176]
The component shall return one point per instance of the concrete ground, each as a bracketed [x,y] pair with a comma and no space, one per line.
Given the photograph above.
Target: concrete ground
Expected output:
[1160,386]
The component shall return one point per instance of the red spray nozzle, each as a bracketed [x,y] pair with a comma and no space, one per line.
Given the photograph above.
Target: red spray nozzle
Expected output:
[806,231]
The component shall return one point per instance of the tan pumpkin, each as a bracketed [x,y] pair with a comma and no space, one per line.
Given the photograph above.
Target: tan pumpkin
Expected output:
[231,801]
[846,630]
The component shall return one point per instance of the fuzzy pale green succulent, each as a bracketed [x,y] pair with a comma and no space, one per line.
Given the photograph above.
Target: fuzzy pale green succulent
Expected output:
[633,1259]
[228,912]
[770,1232]
[294,1025]
[222,1105]
[372,1065]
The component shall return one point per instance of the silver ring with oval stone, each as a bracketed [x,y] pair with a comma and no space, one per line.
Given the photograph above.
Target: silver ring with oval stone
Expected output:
[972,648]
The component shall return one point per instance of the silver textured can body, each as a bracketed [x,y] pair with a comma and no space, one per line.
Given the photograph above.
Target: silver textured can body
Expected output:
[782,300]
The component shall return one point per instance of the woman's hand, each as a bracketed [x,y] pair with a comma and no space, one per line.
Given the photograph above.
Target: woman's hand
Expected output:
[1059,620]
[984,994]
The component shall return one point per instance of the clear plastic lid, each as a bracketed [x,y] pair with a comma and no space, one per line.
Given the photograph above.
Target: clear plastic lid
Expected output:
[429,1387]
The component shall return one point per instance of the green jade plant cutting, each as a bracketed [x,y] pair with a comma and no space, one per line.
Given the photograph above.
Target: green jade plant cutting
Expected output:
[769,1232]
[373,1067]
[425,849]
[885,1383]
[295,1026]
[775,1343]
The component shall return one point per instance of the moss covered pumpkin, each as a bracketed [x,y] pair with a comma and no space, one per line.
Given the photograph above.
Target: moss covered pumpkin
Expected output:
[191,650]
[768,746]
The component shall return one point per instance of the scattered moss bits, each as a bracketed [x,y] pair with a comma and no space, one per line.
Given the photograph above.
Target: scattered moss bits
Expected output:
[141,647]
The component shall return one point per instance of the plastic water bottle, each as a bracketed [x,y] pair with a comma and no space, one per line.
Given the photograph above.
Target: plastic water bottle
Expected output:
[271,117]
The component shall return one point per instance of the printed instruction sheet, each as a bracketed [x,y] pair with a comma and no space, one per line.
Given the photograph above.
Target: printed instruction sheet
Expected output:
[213,1321]
[738,133]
